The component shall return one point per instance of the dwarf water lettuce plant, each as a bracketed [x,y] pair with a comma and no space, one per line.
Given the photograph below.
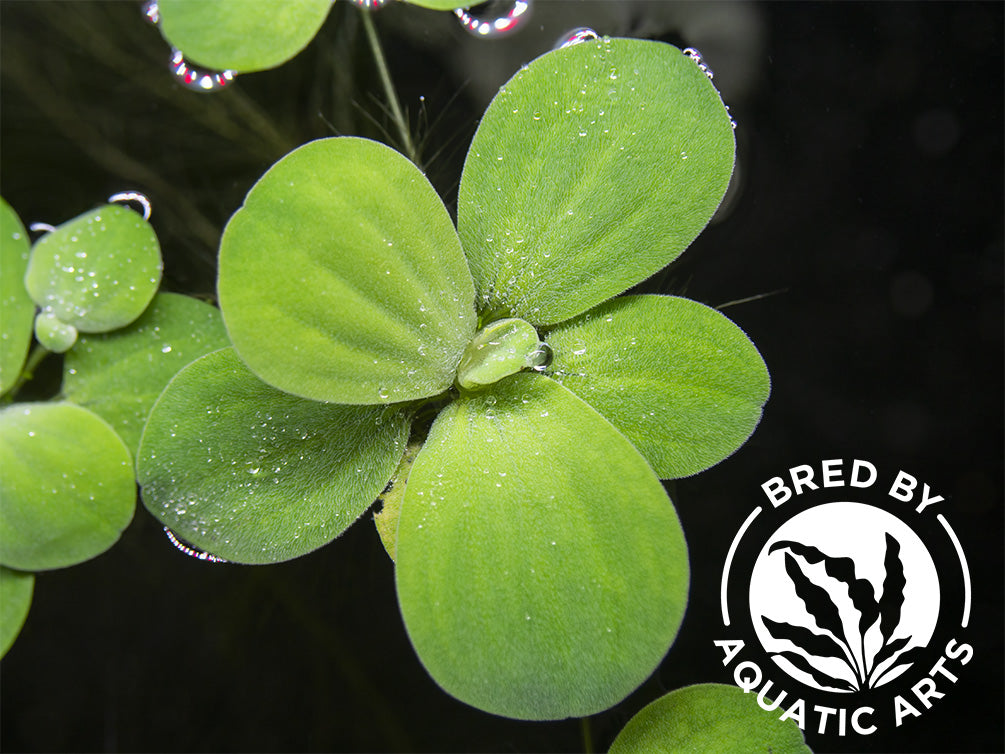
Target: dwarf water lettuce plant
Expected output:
[525,415]
[67,485]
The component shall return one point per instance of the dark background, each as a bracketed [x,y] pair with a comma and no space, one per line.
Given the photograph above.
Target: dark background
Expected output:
[869,205]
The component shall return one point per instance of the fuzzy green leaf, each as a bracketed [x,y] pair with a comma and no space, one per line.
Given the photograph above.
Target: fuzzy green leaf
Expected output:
[342,277]
[17,310]
[120,374]
[709,717]
[67,487]
[16,588]
[677,378]
[255,475]
[98,271]
[594,167]
[241,35]
[541,569]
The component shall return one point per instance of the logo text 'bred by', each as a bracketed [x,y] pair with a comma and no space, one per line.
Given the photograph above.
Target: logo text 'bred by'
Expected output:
[845,599]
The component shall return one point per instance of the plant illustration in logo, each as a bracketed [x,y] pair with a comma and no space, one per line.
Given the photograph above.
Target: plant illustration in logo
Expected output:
[849,636]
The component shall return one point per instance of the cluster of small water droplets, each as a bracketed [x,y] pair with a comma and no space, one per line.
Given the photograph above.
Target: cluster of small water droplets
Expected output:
[152,12]
[575,36]
[191,551]
[494,18]
[188,76]
[198,80]
[696,57]
[703,67]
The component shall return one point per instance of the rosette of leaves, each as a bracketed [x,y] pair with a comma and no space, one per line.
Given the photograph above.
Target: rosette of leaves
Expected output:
[250,35]
[712,718]
[67,484]
[526,416]
[95,273]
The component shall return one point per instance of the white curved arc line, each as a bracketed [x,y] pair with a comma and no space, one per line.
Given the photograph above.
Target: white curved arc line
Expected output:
[729,562]
[964,567]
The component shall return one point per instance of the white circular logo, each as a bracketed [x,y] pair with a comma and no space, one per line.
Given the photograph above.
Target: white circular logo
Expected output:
[845,599]
[844,596]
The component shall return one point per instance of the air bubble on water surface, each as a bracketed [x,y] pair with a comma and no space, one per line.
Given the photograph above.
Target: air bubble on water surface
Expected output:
[196,79]
[191,551]
[575,36]
[124,197]
[494,18]
[152,12]
[41,228]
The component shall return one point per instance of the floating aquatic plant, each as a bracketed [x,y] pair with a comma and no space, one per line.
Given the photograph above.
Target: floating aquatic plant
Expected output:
[525,415]
[67,484]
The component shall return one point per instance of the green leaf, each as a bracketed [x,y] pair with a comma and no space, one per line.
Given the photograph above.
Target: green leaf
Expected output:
[16,588]
[679,380]
[594,167]
[241,35]
[254,475]
[710,718]
[54,334]
[386,519]
[342,278]
[98,271]
[119,375]
[17,310]
[541,569]
[67,486]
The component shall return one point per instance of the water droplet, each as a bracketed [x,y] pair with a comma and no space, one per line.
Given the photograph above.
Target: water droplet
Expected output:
[370,4]
[494,18]
[574,37]
[152,12]
[384,393]
[541,358]
[41,228]
[132,196]
[191,551]
[166,349]
[696,57]
[198,80]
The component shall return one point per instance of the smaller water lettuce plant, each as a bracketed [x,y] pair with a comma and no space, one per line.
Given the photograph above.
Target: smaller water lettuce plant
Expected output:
[67,482]
[524,414]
